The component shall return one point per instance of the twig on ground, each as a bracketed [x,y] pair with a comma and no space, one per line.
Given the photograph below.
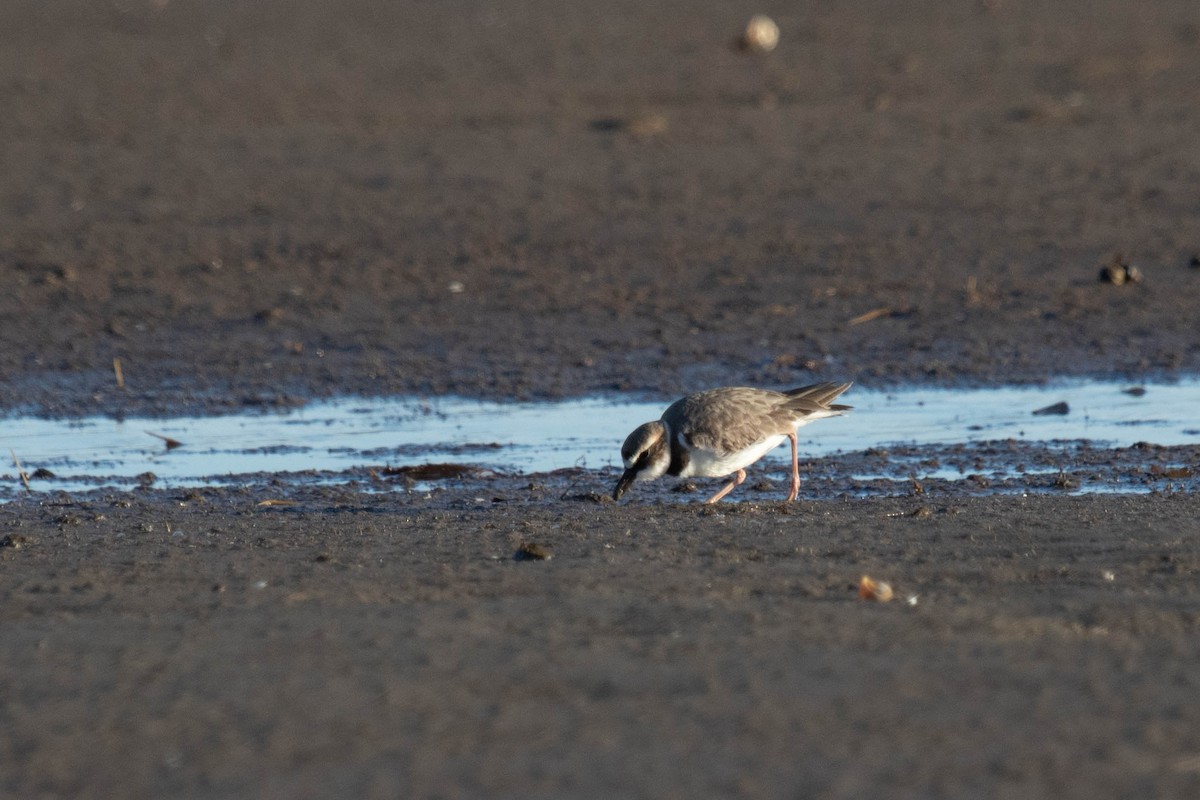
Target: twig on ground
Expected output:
[21,470]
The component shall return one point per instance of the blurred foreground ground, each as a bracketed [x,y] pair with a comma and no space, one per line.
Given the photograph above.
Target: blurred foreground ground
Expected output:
[356,645]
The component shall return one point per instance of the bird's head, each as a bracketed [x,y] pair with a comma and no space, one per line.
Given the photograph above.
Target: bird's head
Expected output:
[646,454]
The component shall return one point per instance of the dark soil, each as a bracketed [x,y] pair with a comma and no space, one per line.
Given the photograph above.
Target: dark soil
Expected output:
[260,203]
[353,645]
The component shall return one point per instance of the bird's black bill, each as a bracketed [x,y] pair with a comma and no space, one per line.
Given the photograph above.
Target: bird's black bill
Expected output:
[626,480]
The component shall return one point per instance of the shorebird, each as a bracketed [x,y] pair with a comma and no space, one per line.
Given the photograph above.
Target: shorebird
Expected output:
[720,432]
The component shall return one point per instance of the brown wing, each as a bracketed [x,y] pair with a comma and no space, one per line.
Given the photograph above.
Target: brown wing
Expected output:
[729,419]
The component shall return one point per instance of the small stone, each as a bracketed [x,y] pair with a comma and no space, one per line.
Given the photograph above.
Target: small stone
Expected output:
[1060,409]
[531,551]
[1064,481]
[588,497]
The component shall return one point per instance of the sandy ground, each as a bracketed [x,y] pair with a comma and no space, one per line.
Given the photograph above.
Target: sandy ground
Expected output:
[243,201]
[385,646]
[257,204]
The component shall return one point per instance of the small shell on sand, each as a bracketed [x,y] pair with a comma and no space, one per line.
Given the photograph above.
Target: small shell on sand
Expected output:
[1119,272]
[870,589]
[761,35]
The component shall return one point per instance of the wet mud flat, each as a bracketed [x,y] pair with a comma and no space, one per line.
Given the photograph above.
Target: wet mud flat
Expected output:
[221,642]
[452,629]
[1109,437]
[1009,467]
[251,206]
[226,206]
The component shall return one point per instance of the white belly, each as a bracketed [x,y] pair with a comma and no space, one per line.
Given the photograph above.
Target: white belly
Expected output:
[705,464]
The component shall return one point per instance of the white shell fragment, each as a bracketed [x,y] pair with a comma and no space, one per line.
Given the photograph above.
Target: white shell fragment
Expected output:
[871,589]
[761,35]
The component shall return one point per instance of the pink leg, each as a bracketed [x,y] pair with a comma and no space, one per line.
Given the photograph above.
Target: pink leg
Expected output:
[738,477]
[795,470]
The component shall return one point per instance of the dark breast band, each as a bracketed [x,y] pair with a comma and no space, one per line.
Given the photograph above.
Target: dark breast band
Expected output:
[679,457]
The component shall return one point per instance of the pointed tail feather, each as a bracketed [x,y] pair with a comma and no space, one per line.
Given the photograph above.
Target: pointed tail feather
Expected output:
[817,397]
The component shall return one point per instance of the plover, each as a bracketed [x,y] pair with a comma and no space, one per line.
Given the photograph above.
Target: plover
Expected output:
[720,432]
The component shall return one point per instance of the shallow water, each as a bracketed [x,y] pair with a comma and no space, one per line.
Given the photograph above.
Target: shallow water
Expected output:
[354,433]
